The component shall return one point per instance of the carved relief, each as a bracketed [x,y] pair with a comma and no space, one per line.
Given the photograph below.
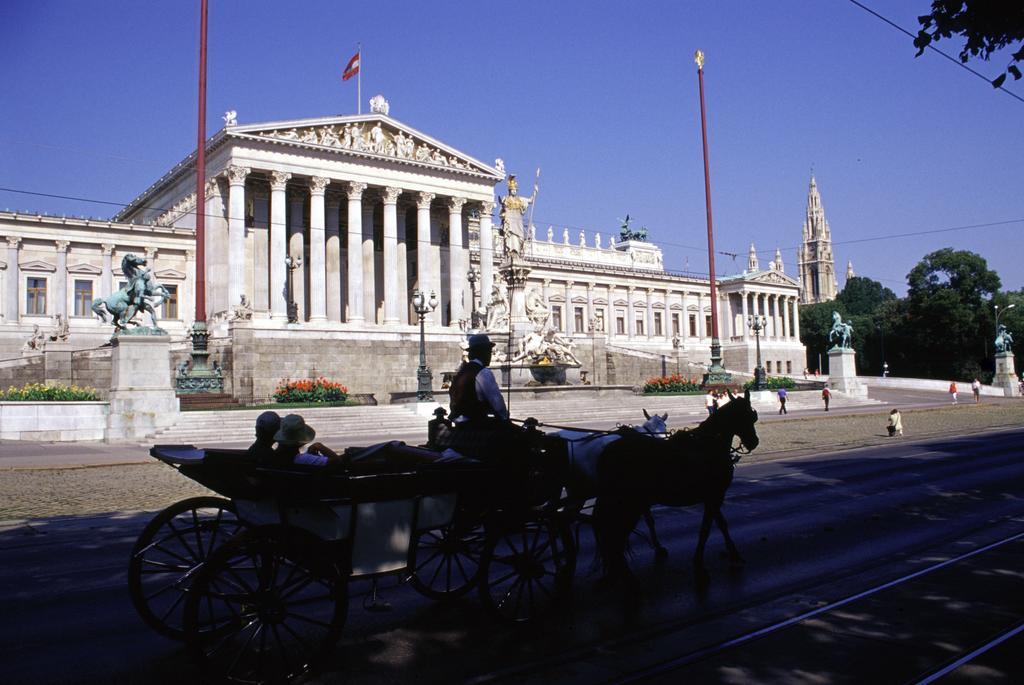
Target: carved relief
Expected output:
[377,140]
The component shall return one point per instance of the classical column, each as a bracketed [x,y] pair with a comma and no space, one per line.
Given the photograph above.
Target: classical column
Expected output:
[796,319]
[355,253]
[278,244]
[486,250]
[402,265]
[650,313]
[369,260]
[701,321]
[297,249]
[333,248]
[570,309]
[667,316]
[107,275]
[216,248]
[11,287]
[392,297]
[457,266]
[630,313]
[261,249]
[746,328]
[591,315]
[61,277]
[317,249]
[236,233]
[423,243]
[188,296]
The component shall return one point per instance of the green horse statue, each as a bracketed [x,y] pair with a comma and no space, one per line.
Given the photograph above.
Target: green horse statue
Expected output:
[141,294]
[1004,339]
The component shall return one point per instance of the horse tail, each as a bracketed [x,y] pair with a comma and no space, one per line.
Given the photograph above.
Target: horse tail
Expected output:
[99,306]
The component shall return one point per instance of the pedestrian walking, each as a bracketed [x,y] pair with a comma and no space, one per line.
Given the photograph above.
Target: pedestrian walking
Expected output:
[952,391]
[895,425]
[825,397]
[976,389]
[782,401]
[709,402]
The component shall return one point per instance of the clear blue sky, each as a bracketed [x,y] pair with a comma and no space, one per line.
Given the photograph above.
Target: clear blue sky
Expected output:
[99,100]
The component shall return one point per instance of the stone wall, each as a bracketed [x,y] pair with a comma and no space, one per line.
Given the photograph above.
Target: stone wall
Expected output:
[22,371]
[632,367]
[92,369]
[53,421]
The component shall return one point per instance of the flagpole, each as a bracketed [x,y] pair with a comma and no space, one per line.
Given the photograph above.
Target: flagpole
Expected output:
[359,79]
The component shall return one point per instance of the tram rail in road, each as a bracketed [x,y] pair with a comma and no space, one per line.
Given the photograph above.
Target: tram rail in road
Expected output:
[921,627]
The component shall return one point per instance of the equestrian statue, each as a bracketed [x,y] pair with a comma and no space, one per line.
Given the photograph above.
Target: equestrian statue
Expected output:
[1004,339]
[140,294]
[842,331]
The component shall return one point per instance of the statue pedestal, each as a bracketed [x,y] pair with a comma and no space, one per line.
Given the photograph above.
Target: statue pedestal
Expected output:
[142,397]
[57,363]
[1006,376]
[842,372]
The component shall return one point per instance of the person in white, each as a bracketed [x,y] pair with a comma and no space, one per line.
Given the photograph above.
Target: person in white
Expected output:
[475,395]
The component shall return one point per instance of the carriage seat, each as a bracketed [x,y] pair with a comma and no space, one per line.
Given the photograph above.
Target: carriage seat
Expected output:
[395,455]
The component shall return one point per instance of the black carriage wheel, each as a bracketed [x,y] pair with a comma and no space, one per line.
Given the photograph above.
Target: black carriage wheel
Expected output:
[167,553]
[527,571]
[446,561]
[267,607]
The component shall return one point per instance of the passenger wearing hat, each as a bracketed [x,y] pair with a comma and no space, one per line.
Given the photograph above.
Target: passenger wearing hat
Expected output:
[474,393]
[293,434]
[267,426]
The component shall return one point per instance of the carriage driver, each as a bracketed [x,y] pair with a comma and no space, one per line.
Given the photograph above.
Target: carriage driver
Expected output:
[474,393]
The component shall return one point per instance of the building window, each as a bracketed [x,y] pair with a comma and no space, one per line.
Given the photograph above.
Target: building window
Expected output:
[707,324]
[35,296]
[83,297]
[556,317]
[577,317]
[170,305]
[789,367]
[657,324]
[620,323]
[599,321]
[693,325]
[769,365]
[639,324]
[675,324]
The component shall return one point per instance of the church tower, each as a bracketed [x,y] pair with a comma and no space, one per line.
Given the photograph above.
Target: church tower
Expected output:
[817,266]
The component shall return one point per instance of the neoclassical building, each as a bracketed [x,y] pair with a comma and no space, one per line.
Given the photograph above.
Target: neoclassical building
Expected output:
[347,216]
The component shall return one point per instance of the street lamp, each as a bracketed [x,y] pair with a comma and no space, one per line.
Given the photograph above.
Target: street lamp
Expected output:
[293,308]
[422,307]
[474,317]
[1000,313]
[757,322]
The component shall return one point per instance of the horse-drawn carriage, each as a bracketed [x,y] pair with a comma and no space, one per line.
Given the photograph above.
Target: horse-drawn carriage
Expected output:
[255,582]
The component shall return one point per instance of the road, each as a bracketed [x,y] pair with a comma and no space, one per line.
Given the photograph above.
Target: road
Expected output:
[815,530]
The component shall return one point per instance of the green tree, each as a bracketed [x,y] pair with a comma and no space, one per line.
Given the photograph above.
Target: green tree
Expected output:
[988,26]
[862,296]
[947,315]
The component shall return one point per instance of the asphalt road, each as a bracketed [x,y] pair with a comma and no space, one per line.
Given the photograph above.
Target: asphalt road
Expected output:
[814,530]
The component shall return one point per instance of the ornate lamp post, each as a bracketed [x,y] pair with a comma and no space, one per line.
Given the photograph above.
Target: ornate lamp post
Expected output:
[293,308]
[757,322]
[474,316]
[422,307]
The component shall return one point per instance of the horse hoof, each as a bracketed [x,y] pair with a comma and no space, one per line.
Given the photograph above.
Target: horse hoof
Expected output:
[660,555]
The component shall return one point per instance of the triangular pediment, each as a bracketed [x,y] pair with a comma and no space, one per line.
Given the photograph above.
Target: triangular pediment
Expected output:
[87,269]
[36,265]
[373,136]
[170,273]
[772,276]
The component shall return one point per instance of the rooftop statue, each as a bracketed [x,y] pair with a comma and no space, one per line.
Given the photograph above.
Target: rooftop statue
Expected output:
[626,233]
[141,294]
[840,330]
[1004,339]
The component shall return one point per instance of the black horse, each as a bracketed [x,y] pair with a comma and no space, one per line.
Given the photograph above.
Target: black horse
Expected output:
[690,467]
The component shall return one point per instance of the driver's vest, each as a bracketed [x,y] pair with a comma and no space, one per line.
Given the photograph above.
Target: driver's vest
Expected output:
[462,393]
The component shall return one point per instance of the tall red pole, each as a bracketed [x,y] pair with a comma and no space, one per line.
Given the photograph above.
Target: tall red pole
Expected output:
[201,175]
[716,372]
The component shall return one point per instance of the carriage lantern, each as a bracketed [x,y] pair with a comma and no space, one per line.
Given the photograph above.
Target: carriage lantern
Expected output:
[423,306]
[757,323]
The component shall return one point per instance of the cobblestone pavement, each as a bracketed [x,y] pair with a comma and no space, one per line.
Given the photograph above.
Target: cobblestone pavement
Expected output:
[57,492]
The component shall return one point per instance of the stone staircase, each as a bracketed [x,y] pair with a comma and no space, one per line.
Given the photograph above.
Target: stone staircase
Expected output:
[363,425]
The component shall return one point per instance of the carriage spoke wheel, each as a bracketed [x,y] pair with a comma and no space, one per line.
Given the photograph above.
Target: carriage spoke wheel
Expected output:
[267,607]
[446,561]
[527,571]
[167,554]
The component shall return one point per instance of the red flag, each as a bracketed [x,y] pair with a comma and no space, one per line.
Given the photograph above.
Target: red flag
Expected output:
[352,68]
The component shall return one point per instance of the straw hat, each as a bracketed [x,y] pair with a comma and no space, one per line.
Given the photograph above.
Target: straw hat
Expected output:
[294,431]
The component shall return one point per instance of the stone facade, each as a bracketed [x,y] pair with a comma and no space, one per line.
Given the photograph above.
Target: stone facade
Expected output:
[375,210]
